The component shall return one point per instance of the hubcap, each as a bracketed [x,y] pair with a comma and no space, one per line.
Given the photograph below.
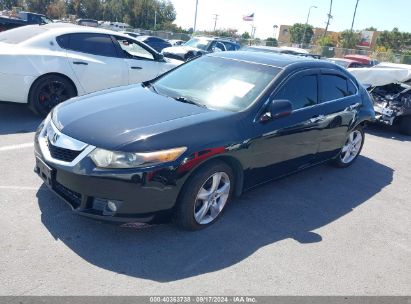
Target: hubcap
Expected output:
[211,198]
[352,147]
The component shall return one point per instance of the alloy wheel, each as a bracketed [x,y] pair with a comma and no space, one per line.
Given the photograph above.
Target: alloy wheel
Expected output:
[352,147]
[211,198]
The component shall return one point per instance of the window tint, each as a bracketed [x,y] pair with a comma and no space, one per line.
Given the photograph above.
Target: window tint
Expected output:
[63,41]
[133,50]
[96,44]
[333,87]
[352,89]
[301,91]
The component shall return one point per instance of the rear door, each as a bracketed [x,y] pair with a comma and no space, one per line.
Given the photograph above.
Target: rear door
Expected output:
[339,104]
[141,63]
[95,61]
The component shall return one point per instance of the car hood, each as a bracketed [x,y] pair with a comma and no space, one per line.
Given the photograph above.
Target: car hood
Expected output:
[129,119]
[179,50]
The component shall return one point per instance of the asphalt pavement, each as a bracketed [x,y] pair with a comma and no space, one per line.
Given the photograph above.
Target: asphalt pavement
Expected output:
[324,231]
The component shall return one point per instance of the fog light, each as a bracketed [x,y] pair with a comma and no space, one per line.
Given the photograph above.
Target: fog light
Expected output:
[112,206]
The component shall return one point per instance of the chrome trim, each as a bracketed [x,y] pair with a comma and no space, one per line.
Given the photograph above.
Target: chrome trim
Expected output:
[58,139]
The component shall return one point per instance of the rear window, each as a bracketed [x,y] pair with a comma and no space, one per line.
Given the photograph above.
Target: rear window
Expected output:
[21,34]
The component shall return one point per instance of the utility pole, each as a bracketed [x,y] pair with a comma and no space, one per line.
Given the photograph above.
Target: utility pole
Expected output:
[215,20]
[155,20]
[195,18]
[329,18]
[353,19]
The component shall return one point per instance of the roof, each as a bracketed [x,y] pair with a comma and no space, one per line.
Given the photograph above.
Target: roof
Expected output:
[272,59]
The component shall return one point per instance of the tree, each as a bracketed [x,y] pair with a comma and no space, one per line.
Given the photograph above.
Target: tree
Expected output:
[246,35]
[349,39]
[327,46]
[394,40]
[297,32]
[38,6]
[271,42]
[371,29]
[9,4]
[56,9]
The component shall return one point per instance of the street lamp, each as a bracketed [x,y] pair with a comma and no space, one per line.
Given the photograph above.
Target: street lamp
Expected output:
[306,23]
[275,27]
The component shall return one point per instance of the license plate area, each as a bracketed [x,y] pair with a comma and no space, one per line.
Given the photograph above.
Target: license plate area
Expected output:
[45,172]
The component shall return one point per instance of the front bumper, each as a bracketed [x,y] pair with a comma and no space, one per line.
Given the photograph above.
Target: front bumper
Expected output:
[137,194]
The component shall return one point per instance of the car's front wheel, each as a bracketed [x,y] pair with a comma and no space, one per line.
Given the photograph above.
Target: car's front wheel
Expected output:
[351,149]
[204,196]
[49,91]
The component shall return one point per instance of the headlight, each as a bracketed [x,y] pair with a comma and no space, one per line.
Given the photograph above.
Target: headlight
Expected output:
[123,160]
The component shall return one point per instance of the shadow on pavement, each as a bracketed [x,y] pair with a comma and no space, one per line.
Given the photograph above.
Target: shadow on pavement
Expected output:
[289,208]
[17,118]
[389,132]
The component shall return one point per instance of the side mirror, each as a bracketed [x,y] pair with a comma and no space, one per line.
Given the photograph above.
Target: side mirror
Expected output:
[160,57]
[277,109]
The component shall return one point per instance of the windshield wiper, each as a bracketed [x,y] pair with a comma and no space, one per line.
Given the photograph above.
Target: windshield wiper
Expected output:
[189,100]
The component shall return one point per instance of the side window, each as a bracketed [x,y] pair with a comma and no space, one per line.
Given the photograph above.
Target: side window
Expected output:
[132,49]
[96,44]
[333,87]
[63,41]
[301,91]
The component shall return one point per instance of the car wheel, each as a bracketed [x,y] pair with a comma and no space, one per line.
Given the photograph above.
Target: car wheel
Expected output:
[49,91]
[351,149]
[204,196]
[405,125]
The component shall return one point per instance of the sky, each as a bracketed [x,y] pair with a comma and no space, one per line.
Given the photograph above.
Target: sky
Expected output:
[382,14]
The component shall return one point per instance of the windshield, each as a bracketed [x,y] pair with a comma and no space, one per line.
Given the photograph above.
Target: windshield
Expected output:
[217,83]
[199,43]
[21,34]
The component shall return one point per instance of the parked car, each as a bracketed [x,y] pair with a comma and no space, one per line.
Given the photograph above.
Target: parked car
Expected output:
[132,34]
[22,18]
[280,50]
[156,43]
[45,65]
[363,59]
[390,86]
[175,42]
[199,46]
[87,22]
[188,141]
[346,63]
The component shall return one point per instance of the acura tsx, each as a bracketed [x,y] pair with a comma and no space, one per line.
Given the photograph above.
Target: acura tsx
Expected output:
[187,142]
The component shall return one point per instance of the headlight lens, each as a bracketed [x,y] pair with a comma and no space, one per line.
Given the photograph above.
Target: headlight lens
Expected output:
[123,160]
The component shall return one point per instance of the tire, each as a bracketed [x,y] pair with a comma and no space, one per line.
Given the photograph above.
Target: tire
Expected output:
[351,149]
[48,91]
[405,125]
[189,206]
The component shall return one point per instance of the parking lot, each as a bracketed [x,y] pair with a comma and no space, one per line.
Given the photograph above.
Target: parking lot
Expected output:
[324,231]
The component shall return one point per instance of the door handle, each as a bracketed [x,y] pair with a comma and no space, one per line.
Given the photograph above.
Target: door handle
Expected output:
[80,63]
[317,118]
[136,68]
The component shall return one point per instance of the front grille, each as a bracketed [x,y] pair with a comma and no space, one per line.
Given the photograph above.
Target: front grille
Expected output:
[72,197]
[62,154]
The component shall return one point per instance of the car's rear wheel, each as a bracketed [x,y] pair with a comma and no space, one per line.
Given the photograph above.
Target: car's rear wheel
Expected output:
[351,149]
[405,125]
[49,91]
[205,196]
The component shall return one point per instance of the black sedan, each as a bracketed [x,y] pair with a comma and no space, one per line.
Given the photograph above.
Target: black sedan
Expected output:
[156,43]
[186,143]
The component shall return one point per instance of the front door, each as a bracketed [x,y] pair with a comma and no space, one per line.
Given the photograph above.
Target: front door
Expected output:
[287,144]
[95,62]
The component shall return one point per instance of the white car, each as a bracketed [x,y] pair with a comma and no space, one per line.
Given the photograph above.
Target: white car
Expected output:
[43,65]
